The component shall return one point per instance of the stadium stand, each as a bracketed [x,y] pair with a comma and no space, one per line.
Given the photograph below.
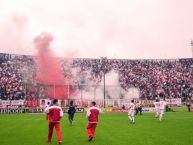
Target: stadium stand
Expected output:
[167,77]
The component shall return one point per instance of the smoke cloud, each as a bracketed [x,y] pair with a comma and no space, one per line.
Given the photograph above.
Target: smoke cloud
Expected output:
[49,72]
[114,93]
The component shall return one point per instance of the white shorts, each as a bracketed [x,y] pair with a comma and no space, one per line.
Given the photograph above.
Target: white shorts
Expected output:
[161,111]
[131,112]
[157,110]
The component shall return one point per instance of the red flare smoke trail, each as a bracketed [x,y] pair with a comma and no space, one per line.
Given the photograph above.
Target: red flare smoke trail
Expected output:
[49,71]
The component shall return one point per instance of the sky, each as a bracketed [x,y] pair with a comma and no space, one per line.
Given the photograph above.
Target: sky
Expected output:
[128,29]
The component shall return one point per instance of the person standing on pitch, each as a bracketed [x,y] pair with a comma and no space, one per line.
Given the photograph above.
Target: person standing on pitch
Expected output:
[140,108]
[131,111]
[71,111]
[47,106]
[162,105]
[92,115]
[156,104]
[137,108]
[55,113]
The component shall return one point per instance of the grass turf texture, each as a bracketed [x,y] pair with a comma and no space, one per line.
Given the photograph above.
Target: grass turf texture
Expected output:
[113,129]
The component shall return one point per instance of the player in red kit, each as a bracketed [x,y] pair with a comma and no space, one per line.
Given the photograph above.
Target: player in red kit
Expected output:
[55,113]
[92,115]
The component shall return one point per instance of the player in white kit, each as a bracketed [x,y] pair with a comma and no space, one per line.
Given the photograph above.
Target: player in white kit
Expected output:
[162,105]
[156,104]
[131,111]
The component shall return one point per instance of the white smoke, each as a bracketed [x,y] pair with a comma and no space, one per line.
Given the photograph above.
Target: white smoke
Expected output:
[114,93]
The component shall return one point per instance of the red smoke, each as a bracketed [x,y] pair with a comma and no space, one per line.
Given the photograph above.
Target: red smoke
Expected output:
[49,71]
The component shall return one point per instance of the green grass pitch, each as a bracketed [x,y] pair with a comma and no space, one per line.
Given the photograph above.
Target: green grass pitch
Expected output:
[113,129]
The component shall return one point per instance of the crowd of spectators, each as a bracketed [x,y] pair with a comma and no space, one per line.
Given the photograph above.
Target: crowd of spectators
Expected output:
[166,78]
[154,78]
[15,71]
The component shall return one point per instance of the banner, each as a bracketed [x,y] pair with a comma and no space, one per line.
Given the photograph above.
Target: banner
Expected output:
[149,109]
[10,110]
[117,110]
[3,106]
[17,102]
[11,104]
[34,102]
[44,102]
[145,109]
[177,101]
[13,107]
[4,103]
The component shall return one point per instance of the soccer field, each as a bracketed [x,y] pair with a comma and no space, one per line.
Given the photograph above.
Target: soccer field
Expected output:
[113,129]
